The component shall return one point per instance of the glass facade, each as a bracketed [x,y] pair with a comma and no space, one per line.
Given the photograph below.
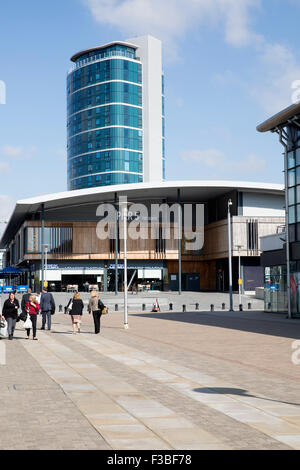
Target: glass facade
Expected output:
[293,164]
[275,289]
[105,118]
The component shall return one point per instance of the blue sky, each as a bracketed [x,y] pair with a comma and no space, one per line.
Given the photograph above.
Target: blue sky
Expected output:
[228,65]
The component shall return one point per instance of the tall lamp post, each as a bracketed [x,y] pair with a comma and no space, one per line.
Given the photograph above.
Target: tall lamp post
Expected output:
[230,257]
[239,247]
[123,203]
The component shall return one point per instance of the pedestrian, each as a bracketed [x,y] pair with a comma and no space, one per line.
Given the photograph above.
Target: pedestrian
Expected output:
[47,306]
[95,307]
[32,308]
[10,313]
[86,286]
[75,308]
[24,301]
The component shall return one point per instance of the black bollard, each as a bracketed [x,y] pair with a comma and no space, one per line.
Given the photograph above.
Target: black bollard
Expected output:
[223,306]
[241,307]
[249,306]
[184,308]
[60,308]
[116,307]
[144,307]
[212,308]
[197,306]
[170,306]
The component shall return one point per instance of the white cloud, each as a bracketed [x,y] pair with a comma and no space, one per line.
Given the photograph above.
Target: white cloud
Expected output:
[4,167]
[18,153]
[7,205]
[276,66]
[222,166]
[211,158]
[171,19]
[278,69]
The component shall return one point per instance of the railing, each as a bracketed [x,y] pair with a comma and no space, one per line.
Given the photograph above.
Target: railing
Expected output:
[95,58]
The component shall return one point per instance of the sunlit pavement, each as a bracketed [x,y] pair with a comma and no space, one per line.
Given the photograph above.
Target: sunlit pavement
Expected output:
[171,381]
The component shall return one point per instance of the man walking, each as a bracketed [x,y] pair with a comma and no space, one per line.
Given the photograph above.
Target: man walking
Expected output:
[24,301]
[47,307]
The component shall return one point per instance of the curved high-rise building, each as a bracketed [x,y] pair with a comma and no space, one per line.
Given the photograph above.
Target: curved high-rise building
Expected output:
[116,114]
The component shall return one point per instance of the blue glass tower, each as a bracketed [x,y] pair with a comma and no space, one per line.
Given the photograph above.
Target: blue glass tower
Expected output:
[105,117]
[114,115]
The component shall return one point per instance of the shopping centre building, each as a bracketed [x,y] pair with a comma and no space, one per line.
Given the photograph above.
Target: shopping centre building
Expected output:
[282,260]
[67,224]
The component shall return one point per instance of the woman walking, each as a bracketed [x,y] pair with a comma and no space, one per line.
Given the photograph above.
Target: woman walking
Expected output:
[10,313]
[75,310]
[32,308]
[96,306]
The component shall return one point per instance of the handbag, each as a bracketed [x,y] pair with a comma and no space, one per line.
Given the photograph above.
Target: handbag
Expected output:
[28,323]
[105,311]
[69,308]
[3,328]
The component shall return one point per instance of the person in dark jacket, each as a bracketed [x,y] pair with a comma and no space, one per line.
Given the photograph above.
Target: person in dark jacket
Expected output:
[32,308]
[10,313]
[47,307]
[24,301]
[96,307]
[75,308]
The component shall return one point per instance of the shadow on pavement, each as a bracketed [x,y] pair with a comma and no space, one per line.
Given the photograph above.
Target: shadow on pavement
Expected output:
[237,391]
[283,328]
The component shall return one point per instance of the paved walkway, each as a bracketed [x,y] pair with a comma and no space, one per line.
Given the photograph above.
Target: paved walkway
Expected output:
[171,381]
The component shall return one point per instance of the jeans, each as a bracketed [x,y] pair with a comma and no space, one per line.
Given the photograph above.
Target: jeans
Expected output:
[11,324]
[46,316]
[33,319]
[97,315]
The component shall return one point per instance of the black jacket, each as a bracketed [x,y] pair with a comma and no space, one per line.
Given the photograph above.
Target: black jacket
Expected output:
[77,307]
[24,301]
[10,310]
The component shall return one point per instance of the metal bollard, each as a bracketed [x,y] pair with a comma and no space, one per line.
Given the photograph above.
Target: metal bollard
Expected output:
[144,307]
[197,306]
[184,308]
[60,308]
[116,307]
[212,308]
[241,307]
[249,306]
[223,306]
[170,306]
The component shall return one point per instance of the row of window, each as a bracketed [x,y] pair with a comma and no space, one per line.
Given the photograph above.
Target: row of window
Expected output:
[113,92]
[116,69]
[58,239]
[112,137]
[109,161]
[104,180]
[113,115]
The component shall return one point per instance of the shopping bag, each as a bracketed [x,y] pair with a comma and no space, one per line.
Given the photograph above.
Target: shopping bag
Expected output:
[3,328]
[28,323]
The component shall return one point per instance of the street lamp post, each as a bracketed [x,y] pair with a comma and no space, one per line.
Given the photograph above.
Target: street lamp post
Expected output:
[240,278]
[230,257]
[123,203]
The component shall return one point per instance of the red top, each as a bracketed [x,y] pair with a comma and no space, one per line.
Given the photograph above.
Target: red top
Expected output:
[29,308]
